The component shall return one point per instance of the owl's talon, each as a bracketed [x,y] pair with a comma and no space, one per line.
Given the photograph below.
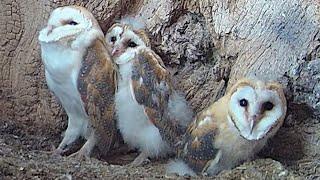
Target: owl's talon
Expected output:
[82,154]
[140,160]
[78,155]
[57,152]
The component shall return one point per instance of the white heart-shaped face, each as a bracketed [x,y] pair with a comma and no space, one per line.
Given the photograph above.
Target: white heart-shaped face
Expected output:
[127,46]
[254,111]
[65,40]
[71,24]
[125,43]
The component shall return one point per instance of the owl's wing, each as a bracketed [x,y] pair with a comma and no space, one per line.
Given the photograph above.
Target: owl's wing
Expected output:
[151,87]
[197,148]
[97,86]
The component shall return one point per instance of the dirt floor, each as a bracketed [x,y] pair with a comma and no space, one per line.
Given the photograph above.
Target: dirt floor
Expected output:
[18,163]
[20,159]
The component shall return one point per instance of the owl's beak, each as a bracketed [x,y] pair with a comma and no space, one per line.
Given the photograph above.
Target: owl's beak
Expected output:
[252,125]
[50,29]
[254,121]
[116,51]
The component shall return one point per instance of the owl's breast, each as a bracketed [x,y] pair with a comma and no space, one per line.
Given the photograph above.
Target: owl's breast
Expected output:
[60,61]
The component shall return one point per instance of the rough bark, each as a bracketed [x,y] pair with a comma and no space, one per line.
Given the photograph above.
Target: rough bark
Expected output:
[207,44]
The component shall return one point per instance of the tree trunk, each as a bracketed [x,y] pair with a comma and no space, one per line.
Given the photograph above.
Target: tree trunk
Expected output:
[207,45]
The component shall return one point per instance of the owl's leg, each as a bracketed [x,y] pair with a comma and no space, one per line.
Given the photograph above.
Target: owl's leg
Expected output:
[141,159]
[73,132]
[86,149]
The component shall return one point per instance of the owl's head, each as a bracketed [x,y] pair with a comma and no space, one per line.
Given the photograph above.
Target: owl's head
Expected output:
[257,109]
[71,25]
[126,39]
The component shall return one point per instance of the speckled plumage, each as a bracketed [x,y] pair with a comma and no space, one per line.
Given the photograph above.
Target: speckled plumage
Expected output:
[155,93]
[97,86]
[80,72]
[213,141]
[146,101]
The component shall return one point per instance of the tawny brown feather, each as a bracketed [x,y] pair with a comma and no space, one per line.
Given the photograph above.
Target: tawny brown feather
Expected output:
[211,134]
[152,87]
[97,86]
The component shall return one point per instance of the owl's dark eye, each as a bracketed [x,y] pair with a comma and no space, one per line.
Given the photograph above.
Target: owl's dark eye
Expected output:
[243,103]
[267,106]
[132,44]
[73,23]
[113,39]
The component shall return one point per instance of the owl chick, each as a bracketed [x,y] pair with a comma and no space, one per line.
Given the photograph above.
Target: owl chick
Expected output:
[80,72]
[231,130]
[145,93]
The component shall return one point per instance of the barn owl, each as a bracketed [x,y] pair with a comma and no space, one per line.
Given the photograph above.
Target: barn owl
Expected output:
[80,72]
[231,130]
[145,93]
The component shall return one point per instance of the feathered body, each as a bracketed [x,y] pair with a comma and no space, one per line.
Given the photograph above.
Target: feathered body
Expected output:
[73,45]
[97,84]
[137,130]
[231,131]
[144,94]
[62,80]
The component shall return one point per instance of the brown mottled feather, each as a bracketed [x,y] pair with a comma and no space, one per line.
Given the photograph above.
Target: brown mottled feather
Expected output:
[97,86]
[144,36]
[199,146]
[152,88]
